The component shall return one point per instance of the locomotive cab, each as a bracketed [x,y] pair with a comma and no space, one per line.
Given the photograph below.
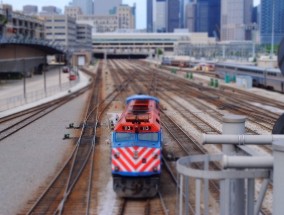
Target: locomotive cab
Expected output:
[136,149]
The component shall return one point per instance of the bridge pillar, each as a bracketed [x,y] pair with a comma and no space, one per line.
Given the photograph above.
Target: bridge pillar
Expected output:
[232,191]
[105,55]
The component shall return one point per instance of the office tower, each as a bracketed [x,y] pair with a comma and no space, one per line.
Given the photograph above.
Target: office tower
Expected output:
[30,9]
[149,18]
[61,29]
[126,17]
[214,18]
[182,14]
[105,7]
[271,21]
[173,15]
[73,11]
[190,15]
[202,16]
[50,10]
[160,16]
[235,19]
[85,5]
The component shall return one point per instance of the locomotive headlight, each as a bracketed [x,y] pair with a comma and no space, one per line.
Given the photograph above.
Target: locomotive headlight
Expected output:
[116,155]
[116,168]
[135,156]
[155,169]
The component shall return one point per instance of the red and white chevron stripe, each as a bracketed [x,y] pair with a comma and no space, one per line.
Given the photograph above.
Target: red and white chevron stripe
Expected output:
[136,159]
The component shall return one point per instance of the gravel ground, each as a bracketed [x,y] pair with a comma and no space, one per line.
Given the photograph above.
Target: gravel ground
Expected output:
[34,154]
[30,158]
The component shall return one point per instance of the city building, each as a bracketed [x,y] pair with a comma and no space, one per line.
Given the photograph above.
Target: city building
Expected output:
[190,10]
[105,7]
[235,18]
[202,16]
[85,5]
[49,10]
[173,9]
[148,44]
[30,9]
[149,17]
[19,25]
[182,14]
[100,24]
[160,24]
[61,29]
[84,36]
[126,17]
[214,18]
[271,21]
[73,11]
[122,18]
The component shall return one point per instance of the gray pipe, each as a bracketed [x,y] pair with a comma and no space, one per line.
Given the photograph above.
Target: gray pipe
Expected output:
[241,139]
[247,162]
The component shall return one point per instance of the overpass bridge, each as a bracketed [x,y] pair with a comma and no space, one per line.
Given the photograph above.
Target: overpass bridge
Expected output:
[143,44]
[22,57]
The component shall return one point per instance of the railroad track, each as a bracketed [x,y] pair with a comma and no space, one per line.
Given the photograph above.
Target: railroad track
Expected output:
[71,190]
[14,123]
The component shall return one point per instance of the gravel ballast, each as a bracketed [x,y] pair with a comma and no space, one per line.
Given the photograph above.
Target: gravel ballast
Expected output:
[32,156]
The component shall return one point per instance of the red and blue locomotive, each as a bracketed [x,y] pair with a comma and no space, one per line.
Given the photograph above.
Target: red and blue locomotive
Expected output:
[136,148]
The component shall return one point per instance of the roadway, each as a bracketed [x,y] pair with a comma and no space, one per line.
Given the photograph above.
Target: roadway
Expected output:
[12,97]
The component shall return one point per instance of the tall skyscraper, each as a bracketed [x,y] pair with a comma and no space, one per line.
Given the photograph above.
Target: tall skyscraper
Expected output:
[85,5]
[214,18]
[160,16]
[182,14]
[173,15]
[204,16]
[272,20]
[235,17]
[190,9]
[105,7]
[149,18]
[201,17]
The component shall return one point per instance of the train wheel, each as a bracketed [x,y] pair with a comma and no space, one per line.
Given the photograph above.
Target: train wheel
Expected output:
[278,127]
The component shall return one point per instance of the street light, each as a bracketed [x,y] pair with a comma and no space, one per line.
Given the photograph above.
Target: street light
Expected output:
[272,30]
[24,79]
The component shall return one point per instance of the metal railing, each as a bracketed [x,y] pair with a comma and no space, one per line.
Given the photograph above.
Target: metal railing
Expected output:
[33,96]
[243,179]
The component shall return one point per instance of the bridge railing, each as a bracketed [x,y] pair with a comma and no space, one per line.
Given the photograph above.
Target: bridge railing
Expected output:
[243,179]
[32,41]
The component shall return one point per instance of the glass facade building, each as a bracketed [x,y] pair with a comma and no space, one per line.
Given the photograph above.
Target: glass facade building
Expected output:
[160,16]
[173,15]
[236,16]
[149,17]
[268,9]
[85,5]
[105,7]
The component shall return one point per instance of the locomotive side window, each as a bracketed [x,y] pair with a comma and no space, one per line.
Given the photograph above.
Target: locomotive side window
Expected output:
[148,136]
[119,137]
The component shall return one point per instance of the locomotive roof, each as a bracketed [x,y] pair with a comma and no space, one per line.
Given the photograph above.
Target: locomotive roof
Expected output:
[141,97]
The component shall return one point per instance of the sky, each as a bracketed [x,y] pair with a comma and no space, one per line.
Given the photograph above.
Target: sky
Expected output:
[140,7]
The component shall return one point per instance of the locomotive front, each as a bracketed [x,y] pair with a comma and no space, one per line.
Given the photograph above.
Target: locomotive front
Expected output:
[136,148]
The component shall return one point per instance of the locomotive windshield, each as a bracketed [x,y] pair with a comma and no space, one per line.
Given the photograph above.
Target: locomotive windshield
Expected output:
[120,137]
[148,136]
